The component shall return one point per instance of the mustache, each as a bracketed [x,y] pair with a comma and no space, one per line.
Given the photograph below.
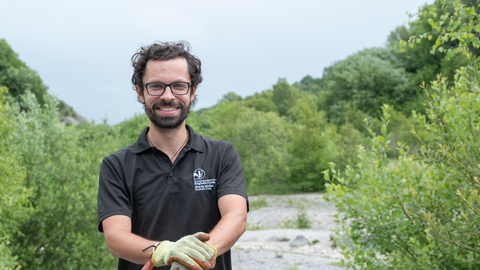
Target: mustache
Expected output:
[167,104]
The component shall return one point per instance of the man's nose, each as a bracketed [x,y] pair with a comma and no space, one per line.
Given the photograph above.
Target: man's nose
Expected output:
[168,93]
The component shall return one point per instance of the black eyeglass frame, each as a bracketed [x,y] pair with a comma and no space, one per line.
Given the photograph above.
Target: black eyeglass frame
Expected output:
[168,85]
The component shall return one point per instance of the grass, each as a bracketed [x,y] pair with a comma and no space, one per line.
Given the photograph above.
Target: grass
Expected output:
[258,203]
[254,227]
[298,221]
[290,201]
[287,224]
[302,221]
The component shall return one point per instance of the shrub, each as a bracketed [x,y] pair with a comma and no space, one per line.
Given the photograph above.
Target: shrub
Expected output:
[61,165]
[386,210]
[421,212]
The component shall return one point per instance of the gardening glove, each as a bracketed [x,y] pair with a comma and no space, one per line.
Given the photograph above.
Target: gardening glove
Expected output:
[178,266]
[191,251]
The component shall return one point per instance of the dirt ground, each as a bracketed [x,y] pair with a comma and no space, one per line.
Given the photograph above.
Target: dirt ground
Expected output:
[272,230]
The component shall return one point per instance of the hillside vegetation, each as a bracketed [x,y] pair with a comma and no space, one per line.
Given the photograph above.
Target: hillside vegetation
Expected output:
[410,197]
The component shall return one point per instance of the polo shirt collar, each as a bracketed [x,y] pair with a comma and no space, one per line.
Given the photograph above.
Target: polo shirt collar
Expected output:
[142,144]
[195,141]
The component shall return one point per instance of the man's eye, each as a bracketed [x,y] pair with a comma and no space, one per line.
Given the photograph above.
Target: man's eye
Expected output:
[155,86]
[179,86]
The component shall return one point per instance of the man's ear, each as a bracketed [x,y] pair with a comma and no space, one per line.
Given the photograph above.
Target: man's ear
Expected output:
[192,93]
[140,95]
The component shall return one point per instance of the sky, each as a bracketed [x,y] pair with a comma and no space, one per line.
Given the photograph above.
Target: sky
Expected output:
[82,49]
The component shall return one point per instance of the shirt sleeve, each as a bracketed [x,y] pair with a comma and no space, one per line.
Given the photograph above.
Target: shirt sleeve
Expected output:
[232,176]
[113,196]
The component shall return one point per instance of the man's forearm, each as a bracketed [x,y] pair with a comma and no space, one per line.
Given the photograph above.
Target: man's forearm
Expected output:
[232,224]
[226,234]
[126,245]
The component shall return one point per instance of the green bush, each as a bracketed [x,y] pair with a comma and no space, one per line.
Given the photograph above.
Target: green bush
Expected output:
[378,213]
[60,164]
[130,129]
[421,212]
[14,207]
[450,145]
[420,215]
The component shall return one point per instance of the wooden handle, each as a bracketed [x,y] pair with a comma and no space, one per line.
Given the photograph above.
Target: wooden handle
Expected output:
[149,265]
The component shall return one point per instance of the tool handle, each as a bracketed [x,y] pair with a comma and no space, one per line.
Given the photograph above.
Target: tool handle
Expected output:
[149,265]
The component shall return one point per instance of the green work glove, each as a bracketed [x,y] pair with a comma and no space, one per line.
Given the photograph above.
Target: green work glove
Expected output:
[178,266]
[191,251]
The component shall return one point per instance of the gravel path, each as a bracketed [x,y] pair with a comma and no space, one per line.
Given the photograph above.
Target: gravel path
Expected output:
[270,240]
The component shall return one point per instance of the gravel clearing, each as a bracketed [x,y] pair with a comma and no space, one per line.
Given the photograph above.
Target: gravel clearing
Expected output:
[271,242]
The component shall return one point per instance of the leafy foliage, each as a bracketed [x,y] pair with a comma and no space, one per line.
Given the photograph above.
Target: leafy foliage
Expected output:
[381,216]
[450,144]
[15,75]
[309,139]
[420,212]
[61,166]
[130,129]
[455,24]
[284,96]
[13,206]
[366,81]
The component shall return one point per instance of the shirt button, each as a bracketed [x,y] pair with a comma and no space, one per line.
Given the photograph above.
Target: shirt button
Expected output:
[170,174]
[164,160]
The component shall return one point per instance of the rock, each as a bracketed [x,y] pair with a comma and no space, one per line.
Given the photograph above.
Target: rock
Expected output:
[69,115]
[299,241]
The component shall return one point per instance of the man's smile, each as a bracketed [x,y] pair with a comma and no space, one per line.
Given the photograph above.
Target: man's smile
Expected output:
[168,109]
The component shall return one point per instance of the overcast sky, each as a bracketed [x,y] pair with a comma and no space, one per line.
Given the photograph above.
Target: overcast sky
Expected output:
[82,49]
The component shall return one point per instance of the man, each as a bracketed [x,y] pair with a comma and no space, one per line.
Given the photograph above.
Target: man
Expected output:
[163,197]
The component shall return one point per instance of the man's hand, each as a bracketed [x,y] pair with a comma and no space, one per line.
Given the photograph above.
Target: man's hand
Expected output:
[191,251]
[178,266]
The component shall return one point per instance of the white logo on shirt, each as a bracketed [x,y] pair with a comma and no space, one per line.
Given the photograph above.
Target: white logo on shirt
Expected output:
[200,183]
[198,174]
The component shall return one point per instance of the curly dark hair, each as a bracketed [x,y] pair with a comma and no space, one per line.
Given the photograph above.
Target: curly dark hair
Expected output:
[166,51]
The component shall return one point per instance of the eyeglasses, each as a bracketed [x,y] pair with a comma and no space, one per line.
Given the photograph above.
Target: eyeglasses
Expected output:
[158,88]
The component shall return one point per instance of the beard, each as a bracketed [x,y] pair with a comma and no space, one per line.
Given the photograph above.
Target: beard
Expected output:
[167,122]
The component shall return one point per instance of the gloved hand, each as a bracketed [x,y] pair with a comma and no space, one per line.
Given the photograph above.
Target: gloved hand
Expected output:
[178,266]
[191,251]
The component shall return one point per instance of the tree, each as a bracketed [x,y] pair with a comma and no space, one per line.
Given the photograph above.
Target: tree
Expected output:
[230,96]
[366,81]
[284,96]
[262,102]
[308,141]
[454,27]
[261,144]
[419,63]
[224,119]
[15,75]
[310,85]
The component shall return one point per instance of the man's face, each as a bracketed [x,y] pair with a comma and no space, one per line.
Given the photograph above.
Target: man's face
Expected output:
[167,111]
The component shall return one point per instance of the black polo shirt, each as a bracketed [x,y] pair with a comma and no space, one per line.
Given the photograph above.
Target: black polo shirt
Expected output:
[167,201]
